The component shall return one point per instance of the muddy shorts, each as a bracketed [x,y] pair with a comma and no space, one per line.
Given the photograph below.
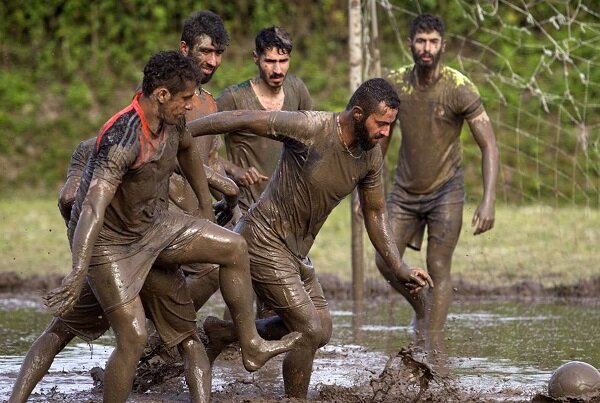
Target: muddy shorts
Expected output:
[118,272]
[166,299]
[441,211]
[168,305]
[281,279]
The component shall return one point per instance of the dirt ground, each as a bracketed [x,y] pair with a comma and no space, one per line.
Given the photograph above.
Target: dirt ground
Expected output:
[404,378]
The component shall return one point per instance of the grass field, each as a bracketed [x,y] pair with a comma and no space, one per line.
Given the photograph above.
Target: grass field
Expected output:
[554,246]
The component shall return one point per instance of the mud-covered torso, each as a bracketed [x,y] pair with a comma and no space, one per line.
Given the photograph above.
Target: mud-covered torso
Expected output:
[314,174]
[204,104]
[139,165]
[431,120]
[248,150]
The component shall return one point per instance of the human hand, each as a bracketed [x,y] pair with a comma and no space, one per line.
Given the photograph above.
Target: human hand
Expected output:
[415,279]
[64,297]
[248,176]
[483,218]
[224,210]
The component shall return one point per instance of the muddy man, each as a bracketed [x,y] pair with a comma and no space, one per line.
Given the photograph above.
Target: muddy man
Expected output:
[120,224]
[428,189]
[325,157]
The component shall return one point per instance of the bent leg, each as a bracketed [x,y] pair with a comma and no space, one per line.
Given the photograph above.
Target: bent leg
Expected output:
[129,325]
[218,245]
[39,358]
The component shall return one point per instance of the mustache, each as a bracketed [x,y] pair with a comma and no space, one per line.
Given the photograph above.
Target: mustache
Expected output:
[276,75]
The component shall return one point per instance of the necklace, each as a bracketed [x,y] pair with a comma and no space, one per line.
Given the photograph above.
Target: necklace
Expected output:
[339,132]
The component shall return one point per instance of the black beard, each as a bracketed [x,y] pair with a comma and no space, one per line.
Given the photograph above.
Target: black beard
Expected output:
[362,136]
[435,60]
[205,79]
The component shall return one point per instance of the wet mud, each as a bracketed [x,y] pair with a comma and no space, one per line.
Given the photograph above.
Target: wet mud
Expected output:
[407,376]
[336,288]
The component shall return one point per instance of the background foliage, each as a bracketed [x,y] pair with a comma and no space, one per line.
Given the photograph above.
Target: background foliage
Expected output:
[67,65]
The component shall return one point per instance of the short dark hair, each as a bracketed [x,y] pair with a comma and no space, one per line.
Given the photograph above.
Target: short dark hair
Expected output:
[207,23]
[426,23]
[170,69]
[273,37]
[371,93]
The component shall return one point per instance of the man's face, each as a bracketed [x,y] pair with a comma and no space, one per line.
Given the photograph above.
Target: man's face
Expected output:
[273,66]
[205,54]
[174,106]
[374,127]
[427,48]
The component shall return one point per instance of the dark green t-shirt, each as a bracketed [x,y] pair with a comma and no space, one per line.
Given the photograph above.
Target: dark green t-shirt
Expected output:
[248,150]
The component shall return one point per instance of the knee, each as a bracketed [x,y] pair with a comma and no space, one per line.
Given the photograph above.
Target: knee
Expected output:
[133,339]
[312,334]
[238,248]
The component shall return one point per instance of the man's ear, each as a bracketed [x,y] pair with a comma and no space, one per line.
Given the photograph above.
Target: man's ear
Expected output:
[357,113]
[184,48]
[255,56]
[162,94]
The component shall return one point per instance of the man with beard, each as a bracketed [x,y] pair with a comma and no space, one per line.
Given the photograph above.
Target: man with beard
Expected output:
[272,90]
[120,226]
[325,157]
[428,188]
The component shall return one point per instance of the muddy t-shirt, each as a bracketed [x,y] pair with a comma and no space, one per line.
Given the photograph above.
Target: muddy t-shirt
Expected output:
[314,174]
[204,104]
[431,120]
[128,156]
[248,150]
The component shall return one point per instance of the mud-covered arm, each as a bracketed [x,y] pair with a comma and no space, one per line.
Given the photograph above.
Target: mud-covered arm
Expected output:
[373,206]
[190,162]
[224,208]
[91,219]
[66,197]
[276,125]
[384,143]
[483,133]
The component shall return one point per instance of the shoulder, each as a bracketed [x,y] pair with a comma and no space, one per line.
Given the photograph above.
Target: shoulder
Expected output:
[458,80]
[400,74]
[227,98]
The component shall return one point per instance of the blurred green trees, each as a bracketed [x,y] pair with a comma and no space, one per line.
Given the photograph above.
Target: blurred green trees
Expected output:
[67,65]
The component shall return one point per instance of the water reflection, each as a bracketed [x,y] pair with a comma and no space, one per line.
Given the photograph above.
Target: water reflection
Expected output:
[500,345]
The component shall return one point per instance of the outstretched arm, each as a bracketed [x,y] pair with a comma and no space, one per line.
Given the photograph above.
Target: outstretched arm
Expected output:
[380,234]
[99,196]
[255,122]
[483,133]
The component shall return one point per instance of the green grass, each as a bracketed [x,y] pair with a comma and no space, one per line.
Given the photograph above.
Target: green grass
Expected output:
[555,246]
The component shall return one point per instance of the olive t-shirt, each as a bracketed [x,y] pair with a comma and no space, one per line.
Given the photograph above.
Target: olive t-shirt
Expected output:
[431,120]
[248,150]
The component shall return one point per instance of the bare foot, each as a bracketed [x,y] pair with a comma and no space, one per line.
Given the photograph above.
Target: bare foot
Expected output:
[220,334]
[264,350]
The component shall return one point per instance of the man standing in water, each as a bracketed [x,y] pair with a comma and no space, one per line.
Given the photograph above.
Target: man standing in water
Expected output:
[120,225]
[272,90]
[325,157]
[428,189]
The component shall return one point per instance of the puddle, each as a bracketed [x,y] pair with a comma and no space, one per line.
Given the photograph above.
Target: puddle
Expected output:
[494,347]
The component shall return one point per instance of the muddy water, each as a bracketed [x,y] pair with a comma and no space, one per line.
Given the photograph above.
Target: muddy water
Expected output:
[503,349]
